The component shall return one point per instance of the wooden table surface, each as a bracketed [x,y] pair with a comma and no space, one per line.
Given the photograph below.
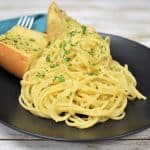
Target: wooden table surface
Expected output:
[128,18]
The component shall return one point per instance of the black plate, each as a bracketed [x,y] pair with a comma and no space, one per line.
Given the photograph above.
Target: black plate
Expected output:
[137,112]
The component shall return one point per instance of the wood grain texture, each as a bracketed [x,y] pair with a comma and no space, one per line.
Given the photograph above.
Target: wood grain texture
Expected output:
[55,145]
[11,134]
[129,18]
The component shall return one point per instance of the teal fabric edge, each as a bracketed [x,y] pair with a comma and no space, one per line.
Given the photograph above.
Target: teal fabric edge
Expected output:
[40,23]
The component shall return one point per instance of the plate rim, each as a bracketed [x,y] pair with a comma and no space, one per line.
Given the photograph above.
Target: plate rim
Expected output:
[75,140]
[9,125]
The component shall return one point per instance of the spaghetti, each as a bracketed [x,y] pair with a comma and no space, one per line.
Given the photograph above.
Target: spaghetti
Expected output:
[75,80]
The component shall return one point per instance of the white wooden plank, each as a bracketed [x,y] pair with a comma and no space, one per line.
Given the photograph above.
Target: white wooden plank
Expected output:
[128,18]
[55,145]
[8,134]
[119,17]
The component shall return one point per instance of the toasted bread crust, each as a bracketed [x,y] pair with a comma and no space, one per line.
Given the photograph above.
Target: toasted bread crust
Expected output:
[54,23]
[58,22]
[12,60]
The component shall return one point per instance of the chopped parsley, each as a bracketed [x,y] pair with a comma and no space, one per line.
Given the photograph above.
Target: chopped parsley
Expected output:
[59,78]
[32,39]
[91,52]
[35,49]
[91,74]
[68,96]
[48,58]
[91,63]
[33,105]
[49,44]
[75,44]
[72,33]
[68,19]
[66,52]
[96,87]
[67,59]
[63,44]
[84,28]
[102,49]
[15,41]
[40,75]
[53,65]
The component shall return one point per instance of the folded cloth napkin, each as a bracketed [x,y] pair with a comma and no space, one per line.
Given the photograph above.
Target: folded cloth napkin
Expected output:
[38,25]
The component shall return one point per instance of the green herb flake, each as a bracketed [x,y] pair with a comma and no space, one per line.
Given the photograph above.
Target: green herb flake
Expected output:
[70,93]
[67,59]
[40,75]
[33,105]
[91,52]
[102,49]
[75,44]
[72,33]
[55,78]
[48,58]
[59,78]
[27,44]
[35,49]
[68,19]
[32,39]
[49,44]
[96,87]
[53,65]
[84,28]
[91,63]
[63,44]
[91,74]
[15,41]
[66,52]
[68,96]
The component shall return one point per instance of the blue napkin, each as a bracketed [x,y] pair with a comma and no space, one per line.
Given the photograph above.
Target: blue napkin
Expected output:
[40,21]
